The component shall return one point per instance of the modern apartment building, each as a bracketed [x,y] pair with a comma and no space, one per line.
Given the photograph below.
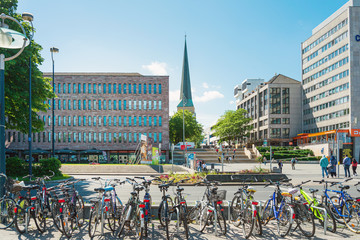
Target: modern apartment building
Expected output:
[102,116]
[246,87]
[330,77]
[275,110]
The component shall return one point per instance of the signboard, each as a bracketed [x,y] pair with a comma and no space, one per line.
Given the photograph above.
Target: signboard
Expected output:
[145,150]
[265,142]
[355,132]
[155,155]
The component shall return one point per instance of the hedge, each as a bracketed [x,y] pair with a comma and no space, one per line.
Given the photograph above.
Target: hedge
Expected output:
[16,167]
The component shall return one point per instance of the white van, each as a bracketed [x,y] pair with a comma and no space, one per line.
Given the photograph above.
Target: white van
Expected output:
[189,145]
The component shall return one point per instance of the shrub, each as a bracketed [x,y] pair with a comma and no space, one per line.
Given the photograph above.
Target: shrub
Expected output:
[15,167]
[47,165]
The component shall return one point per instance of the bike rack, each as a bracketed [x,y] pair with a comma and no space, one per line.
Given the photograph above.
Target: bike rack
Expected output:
[325,216]
[229,215]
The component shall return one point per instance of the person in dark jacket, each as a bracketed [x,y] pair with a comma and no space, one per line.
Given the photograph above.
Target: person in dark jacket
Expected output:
[332,168]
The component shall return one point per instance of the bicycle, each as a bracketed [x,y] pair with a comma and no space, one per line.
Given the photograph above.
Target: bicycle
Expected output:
[165,212]
[211,209]
[313,204]
[7,203]
[72,209]
[105,207]
[277,208]
[243,211]
[147,202]
[133,213]
[303,218]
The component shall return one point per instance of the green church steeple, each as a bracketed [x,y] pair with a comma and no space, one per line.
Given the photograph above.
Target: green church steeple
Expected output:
[185,91]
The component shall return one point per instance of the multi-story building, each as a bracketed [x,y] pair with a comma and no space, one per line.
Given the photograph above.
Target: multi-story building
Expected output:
[101,116]
[330,77]
[275,110]
[245,87]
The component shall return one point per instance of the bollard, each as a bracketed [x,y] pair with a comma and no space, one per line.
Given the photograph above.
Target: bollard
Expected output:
[229,213]
[152,231]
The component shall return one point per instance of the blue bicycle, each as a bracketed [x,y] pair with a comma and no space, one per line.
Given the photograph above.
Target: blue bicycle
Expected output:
[278,209]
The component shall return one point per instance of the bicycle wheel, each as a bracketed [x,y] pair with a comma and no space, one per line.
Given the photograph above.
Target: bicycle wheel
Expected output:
[204,216]
[305,220]
[122,221]
[330,220]
[183,217]
[7,214]
[161,212]
[235,210]
[221,219]
[94,221]
[267,213]
[193,215]
[56,214]
[335,208]
[247,221]
[67,222]
[258,225]
[39,216]
[351,213]
[138,229]
[22,218]
[80,210]
[284,220]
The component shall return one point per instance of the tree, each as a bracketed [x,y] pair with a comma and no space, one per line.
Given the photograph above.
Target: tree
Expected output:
[232,125]
[193,129]
[17,79]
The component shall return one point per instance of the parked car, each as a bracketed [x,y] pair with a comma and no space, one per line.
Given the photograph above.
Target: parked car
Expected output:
[189,145]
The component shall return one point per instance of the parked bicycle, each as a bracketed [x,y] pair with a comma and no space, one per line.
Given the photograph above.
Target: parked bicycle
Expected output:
[147,201]
[7,203]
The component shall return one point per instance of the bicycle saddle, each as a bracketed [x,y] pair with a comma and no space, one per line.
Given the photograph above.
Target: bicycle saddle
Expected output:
[344,187]
[313,190]
[139,188]
[165,185]
[99,190]
[250,189]
[180,189]
[133,193]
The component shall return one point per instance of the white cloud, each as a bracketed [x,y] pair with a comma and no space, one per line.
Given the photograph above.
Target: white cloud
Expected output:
[231,102]
[205,85]
[174,96]
[156,68]
[208,96]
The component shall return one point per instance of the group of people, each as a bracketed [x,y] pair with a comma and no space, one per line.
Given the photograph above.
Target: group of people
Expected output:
[330,167]
[227,157]
[201,166]
[279,162]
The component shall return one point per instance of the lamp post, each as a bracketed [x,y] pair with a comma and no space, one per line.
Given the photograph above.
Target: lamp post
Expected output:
[184,103]
[9,39]
[29,18]
[53,50]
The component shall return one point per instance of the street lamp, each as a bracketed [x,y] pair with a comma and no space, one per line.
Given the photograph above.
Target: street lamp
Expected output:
[29,18]
[53,50]
[9,39]
[184,103]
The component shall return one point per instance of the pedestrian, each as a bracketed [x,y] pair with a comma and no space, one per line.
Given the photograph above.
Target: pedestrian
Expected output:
[199,165]
[354,166]
[264,160]
[217,151]
[230,159]
[219,159]
[347,163]
[204,167]
[324,162]
[234,153]
[280,165]
[293,163]
[332,169]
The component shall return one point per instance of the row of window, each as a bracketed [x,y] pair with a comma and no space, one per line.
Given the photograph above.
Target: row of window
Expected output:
[109,88]
[328,128]
[101,137]
[278,121]
[327,93]
[328,116]
[327,81]
[279,133]
[279,100]
[326,58]
[327,105]
[106,121]
[325,36]
[326,70]
[108,104]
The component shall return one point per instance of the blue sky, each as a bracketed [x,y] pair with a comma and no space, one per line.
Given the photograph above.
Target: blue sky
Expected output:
[228,41]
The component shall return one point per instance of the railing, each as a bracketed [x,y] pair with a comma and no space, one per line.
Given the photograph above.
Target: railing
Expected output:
[247,153]
[257,153]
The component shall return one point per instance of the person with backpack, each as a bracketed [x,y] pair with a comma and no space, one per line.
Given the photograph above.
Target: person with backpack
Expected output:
[354,166]
[280,164]
[293,163]
[324,162]
[332,168]
[347,163]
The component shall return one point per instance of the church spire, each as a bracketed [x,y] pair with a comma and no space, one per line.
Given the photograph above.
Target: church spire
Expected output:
[185,91]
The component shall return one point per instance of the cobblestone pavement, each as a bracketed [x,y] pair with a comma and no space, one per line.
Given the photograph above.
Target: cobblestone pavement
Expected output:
[269,232]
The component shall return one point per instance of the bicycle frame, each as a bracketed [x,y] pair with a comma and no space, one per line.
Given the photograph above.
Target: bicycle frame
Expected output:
[342,201]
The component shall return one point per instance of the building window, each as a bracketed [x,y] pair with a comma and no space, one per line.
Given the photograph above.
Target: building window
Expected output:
[86,136]
[59,104]
[84,121]
[155,121]
[104,88]
[124,104]
[84,87]
[129,88]
[149,106]
[134,86]
[114,103]
[150,121]
[119,88]
[95,119]
[79,120]
[144,105]
[139,105]
[69,104]
[94,88]
[79,88]
[285,101]
[109,104]
[139,88]
[110,120]
[74,121]
[120,139]
[105,137]
[74,104]
[114,88]
[144,88]
[79,137]
[155,137]
[129,104]
[115,121]
[59,88]
[99,105]
[95,136]
[134,104]
[135,118]
[119,104]
[149,88]
[140,120]
[69,87]
[74,88]
[159,88]
[125,121]
[154,88]
[104,104]
[89,88]
[275,121]
[275,133]
[109,87]
[115,137]
[160,121]
[145,119]
[286,121]
[119,121]
[100,137]
[154,105]
[286,132]
[99,88]
[124,88]
[90,121]
[135,137]
[94,104]
[160,105]
[275,100]
[109,137]
[130,120]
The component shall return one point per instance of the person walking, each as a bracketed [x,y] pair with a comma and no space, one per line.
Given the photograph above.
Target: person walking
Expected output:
[347,163]
[204,167]
[264,161]
[324,162]
[230,159]
[354,166]
[333,163]
[234,154]
[280,165]
[293,163]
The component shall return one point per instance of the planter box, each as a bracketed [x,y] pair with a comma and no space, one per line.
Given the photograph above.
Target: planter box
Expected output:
[247,177]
